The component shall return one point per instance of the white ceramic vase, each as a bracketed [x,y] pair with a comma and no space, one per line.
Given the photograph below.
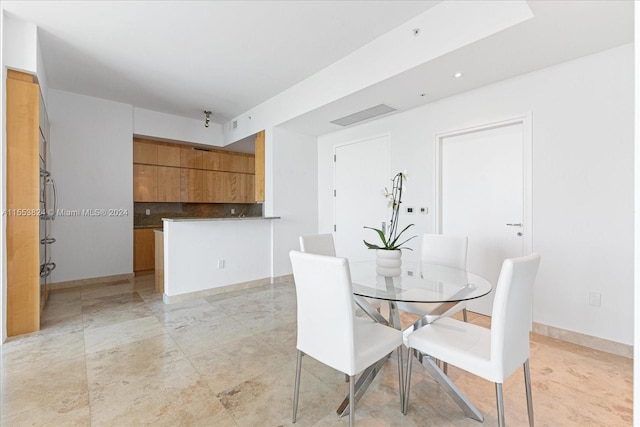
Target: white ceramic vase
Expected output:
[389,262]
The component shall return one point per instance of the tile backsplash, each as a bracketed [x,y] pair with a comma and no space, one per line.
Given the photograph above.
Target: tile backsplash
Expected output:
[190,210]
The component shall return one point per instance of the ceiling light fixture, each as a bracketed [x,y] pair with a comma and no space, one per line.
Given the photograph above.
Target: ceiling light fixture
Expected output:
[207,118]
[458,74]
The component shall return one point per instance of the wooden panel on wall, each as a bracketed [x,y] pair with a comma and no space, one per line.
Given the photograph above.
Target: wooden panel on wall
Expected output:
[169,182]
[145,183]
[145,151]
[259,167]
[22,196]
[168,155]
[191,185]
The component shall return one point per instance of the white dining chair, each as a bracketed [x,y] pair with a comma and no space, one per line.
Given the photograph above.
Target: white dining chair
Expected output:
[337,338]
[319,244]
[493,354]
[323,244]
[449,251]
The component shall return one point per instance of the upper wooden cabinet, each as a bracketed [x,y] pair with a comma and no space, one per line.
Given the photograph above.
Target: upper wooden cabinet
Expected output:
[145,183]
[168,155]
[190,158]
[145,152]
[166,172]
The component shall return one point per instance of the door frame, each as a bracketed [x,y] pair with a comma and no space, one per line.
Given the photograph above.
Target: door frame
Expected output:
[527,149]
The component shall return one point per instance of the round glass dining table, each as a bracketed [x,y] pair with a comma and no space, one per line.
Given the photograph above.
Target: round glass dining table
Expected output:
[418,283]
[436,288]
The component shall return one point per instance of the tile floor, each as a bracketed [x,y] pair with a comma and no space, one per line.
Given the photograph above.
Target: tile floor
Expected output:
[115,355]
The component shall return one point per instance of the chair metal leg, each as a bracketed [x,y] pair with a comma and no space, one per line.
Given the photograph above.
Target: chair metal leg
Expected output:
[464,314]
[400,375]
[500,403]
[296,390]
[352,400]
[527,385]
[407,382]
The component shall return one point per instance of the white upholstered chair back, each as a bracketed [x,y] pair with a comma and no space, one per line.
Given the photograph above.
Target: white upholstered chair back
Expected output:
[440,249]
[511,315]
[321,282]
[320,244]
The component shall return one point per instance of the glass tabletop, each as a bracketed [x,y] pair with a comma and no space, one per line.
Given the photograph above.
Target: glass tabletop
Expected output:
[419,282]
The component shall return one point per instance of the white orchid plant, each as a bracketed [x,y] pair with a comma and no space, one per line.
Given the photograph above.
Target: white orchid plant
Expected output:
[391,238]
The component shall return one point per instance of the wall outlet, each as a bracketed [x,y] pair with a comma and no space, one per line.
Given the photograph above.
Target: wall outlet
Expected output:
[595,299]
[147,212]
[220,263]
[233,211]
[410,273]
[424,210]
[410,210]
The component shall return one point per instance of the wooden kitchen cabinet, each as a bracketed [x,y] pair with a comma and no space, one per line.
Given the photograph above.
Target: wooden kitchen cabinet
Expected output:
[190,158]
[22,191]
[238,187]
[169,184]
[191,185]
[212,186]
[167,172]
[143,250]
[168,155]
[145,152]
[259,167]
[145,183]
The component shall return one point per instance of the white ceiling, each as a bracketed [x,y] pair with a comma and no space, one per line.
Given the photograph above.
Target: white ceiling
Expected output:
[229,56]
[182,57]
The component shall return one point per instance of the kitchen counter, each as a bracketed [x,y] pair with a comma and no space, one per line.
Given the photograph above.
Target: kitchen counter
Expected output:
[234,218]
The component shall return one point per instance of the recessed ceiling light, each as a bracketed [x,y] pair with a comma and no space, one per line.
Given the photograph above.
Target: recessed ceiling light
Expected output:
[458,74]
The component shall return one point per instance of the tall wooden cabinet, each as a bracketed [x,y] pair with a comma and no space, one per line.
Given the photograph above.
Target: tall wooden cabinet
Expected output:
[27,134]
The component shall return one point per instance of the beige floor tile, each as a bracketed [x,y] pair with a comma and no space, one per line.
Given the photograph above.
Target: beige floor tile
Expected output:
[236,362]
[116,355]
[115,335]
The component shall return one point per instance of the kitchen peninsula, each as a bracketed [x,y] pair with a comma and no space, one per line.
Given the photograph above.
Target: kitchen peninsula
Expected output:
[202,256]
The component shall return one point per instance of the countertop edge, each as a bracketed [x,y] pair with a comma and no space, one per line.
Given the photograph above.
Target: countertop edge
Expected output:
[248,218]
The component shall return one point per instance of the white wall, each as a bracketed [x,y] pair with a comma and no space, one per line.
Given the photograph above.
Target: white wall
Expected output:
[582,179]
[92,154]
[21,44]
[294,178]
[192,250]
[161,125]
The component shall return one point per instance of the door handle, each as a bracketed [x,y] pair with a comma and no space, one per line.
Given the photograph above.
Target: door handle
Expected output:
[515,225]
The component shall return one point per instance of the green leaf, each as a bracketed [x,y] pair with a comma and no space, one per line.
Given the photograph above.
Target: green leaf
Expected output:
[380,234]
[393,243]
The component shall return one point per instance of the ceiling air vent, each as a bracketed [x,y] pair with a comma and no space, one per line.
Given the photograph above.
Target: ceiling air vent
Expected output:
[367,114]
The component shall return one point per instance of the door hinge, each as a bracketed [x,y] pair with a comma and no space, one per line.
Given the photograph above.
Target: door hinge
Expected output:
[334,158]
[334,227]
[334,193]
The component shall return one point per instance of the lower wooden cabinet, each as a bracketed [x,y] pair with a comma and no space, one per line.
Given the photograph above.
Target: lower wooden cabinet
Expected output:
[143,250]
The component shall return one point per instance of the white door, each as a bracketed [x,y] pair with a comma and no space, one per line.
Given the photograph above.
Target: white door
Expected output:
[361,173]
[482,197]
